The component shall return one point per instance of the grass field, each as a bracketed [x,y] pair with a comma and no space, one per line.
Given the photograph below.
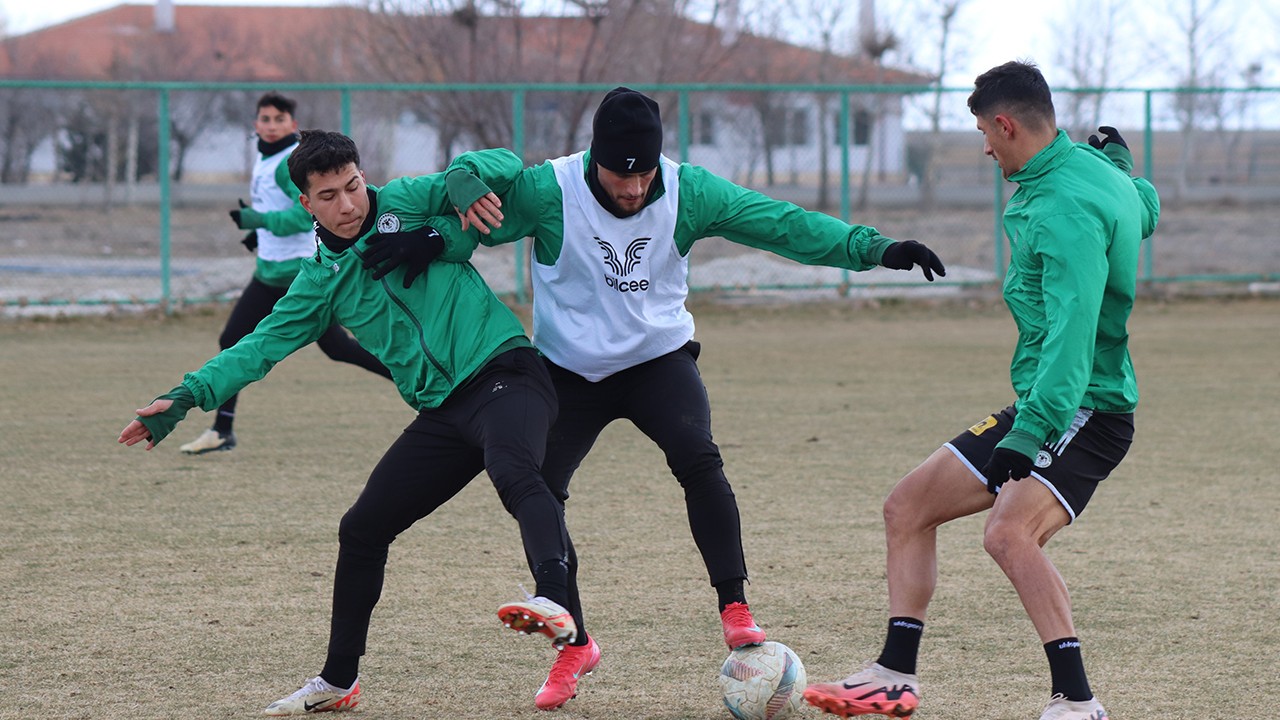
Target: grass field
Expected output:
[155,585]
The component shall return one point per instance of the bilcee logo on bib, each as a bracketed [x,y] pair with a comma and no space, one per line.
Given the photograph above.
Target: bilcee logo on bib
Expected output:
[623,266]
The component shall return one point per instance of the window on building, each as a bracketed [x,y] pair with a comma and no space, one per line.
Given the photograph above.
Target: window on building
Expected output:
[789,126]
[704,127]
[861,120]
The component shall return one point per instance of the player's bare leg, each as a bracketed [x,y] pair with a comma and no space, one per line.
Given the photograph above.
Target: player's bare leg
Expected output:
[941,489]
[1023,519]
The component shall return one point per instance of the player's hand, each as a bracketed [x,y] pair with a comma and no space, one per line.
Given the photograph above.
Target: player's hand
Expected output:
[245,217]
[250,241]
[1109,136]
[1005,464]
[413,249]
[908,254]
[135,432]
[483,214]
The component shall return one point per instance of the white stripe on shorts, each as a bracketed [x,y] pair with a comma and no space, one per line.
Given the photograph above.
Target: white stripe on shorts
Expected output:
[1077,423]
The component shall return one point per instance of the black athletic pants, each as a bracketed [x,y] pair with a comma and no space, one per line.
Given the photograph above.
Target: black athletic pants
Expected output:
[667,401]
[497,422]
[256,302]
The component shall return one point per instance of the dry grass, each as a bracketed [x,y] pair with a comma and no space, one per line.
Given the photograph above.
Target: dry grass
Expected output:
[153,585]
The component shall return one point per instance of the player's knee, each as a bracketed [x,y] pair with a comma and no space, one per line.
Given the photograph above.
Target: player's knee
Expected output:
[517,487]
[698,468]
[362,534]
[1001,540]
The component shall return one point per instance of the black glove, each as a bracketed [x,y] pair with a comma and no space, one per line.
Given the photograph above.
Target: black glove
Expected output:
[1005,464]
[245,217]
[909,253]
[250,241]
[414,249]
[1109,135]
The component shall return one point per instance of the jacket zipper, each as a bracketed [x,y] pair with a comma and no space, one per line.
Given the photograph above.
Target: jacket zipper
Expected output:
[422,338]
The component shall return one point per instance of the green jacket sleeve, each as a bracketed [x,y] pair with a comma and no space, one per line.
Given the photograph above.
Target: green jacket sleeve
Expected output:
[495,169]
[298,319]
[287,222]
[1074,260]
[1120,156]
[713,206]
[531,207]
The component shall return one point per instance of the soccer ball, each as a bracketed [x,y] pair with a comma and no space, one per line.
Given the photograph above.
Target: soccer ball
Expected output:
[762,682]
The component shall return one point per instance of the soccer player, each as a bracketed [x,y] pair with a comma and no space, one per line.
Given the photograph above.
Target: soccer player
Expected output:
[280,232]
[459,357]
[612,230]
[1074,225]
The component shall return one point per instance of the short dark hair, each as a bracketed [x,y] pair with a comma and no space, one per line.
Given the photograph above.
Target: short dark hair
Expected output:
[277,101]
[320,152]
[1016,88]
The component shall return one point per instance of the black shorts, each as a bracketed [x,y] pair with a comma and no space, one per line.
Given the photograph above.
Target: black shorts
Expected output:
[1071,466]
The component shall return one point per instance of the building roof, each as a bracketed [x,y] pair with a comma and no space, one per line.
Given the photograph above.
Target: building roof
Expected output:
[338,44]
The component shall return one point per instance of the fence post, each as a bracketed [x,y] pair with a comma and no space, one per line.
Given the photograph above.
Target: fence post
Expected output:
[1148,167]
[846,210]
[345,103]
[164,171]
[517,146]
[683,136]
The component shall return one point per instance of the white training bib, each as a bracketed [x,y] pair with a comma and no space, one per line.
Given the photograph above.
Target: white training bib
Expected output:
[615,296]
[266,196]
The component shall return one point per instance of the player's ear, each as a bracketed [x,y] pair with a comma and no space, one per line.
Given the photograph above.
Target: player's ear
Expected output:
[306,202]
[1006,124]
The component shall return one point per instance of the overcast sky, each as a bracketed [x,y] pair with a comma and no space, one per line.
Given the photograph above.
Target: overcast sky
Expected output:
[987,32]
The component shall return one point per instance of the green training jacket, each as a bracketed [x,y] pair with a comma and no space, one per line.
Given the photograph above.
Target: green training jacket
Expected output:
[432,337]
[1074,225]
[709,206]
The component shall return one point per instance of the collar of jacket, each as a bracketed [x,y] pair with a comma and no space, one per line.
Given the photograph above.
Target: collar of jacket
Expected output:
[267,149]
[336,244]
[1043,162]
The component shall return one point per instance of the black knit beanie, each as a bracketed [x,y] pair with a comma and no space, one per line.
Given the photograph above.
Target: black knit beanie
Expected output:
[627,132]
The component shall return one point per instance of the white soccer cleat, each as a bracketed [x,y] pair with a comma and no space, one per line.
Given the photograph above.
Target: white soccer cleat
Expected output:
[1060,708]
[316,696]
[210,441]
[540,615]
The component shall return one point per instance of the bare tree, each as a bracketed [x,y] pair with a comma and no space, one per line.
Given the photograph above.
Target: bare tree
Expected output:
[1087,51]
[875,45]
[935,23]
[1205,30]
[27,116]
[827,16]
[592,41]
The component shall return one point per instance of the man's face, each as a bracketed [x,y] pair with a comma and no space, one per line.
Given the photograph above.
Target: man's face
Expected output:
[996,142]
[272,123]
[626,190]
[338,200]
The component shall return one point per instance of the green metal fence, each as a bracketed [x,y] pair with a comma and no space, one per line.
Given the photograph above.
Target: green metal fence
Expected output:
[88,218]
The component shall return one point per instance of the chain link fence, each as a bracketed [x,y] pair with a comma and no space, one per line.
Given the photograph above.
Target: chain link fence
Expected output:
[89,221]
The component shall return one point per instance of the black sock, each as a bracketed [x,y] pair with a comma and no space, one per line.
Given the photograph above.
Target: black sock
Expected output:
[222,425]
[341,670]
[552,578]
[730,591]
[1066,666]
[902,644]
